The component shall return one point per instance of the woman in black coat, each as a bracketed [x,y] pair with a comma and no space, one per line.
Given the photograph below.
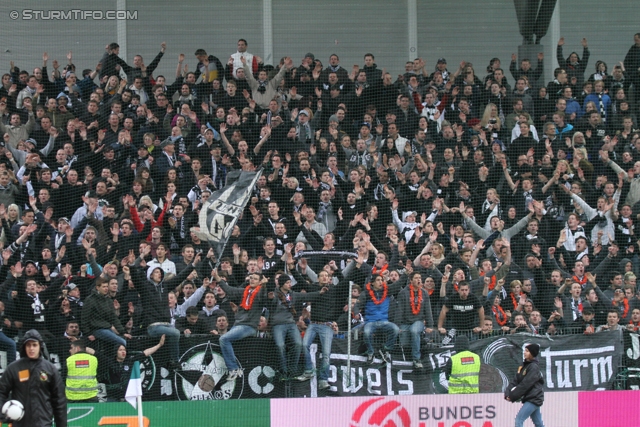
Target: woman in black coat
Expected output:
[527,386]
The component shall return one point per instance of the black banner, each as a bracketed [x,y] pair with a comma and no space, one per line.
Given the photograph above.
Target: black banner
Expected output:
[629,378]
[568,362]
[571,363]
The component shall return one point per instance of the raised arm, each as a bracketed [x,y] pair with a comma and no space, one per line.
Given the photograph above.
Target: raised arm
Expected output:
[549,183]
[515,229]
[591,212]
[225,141]
[618,169]
[476,250]
[481,232]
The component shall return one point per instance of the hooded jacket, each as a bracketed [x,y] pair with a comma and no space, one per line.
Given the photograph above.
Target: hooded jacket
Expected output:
[154,296]
[38,385]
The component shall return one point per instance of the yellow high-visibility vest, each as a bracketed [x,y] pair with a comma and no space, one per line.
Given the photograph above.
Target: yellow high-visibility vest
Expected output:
[81,377]
[465,373]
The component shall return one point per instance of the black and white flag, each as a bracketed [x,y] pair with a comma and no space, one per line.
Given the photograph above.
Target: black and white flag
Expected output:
[221,212]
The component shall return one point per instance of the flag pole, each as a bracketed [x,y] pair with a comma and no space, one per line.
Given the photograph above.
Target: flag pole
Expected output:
[349,335]
[140,417]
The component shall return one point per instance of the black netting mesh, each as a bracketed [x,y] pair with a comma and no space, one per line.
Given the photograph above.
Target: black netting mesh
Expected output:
[245,160]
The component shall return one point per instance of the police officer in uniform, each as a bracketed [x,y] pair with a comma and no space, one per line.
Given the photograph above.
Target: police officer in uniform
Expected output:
[463,369]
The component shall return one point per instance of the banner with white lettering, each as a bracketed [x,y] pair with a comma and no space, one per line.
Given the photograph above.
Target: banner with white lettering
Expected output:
[629,379]
[568,362]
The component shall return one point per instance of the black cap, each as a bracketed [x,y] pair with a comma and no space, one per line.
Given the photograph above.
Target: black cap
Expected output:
[442,61]
[534,349]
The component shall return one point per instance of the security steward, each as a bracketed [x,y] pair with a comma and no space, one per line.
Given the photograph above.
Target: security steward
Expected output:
[463,369]
[82,368]
[36,383]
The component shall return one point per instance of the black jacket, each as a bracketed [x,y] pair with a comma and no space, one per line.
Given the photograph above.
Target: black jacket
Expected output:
[42,394]
[154,297]
[527,384]
[99,313]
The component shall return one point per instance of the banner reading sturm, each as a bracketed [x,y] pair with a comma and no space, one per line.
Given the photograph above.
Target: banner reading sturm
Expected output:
[572,362]
[221,212]
[568,362]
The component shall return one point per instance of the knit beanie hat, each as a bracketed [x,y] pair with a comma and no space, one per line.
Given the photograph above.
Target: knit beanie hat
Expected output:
[534,349]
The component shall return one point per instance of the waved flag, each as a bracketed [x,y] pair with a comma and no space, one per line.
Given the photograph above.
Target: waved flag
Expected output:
[221,212]
[134,388]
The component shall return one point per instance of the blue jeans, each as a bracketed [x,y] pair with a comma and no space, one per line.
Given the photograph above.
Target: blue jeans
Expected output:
[389,328]
[236,333]
[529,410]
[280,333]
[109,336]
[326,337]
[412,333]
[172,338]
[9,346]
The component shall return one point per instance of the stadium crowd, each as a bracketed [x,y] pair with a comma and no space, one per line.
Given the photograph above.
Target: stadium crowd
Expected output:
[455,199]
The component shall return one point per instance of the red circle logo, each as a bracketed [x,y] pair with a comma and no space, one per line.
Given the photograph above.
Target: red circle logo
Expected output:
[380,412]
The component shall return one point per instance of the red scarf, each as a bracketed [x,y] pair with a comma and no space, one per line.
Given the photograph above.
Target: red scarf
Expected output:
[581,281]
[625,302]
[373,295]
[500,315]
[415,309]
[379,272]
[492,283]
[430,291]
[244,304]
[636,326]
